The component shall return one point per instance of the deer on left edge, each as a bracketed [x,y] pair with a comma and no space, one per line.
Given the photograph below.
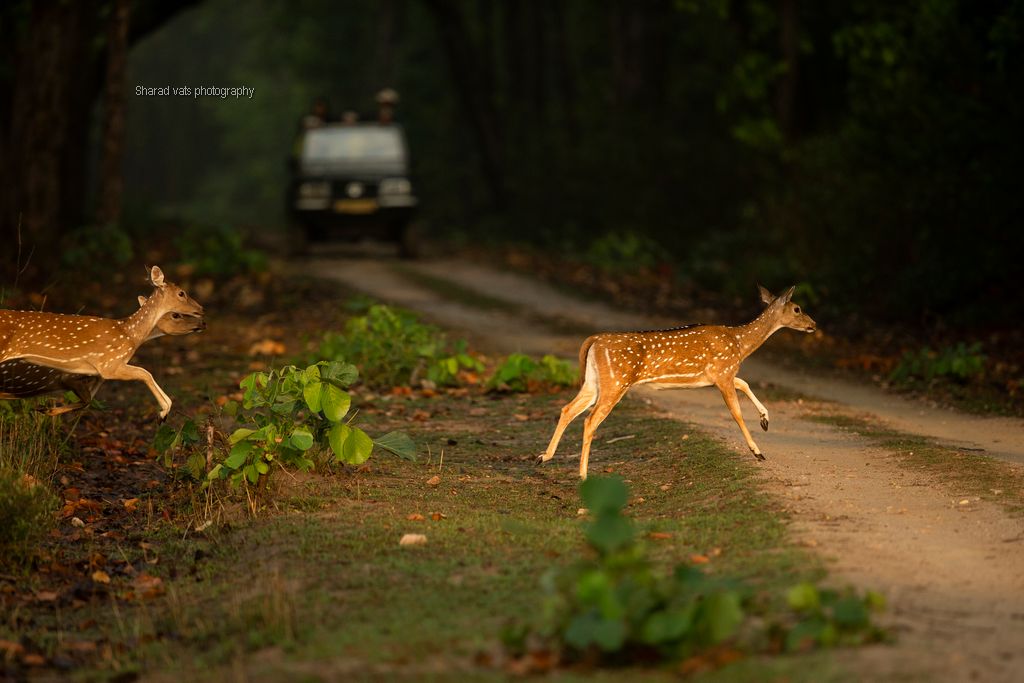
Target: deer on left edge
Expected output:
[97,347]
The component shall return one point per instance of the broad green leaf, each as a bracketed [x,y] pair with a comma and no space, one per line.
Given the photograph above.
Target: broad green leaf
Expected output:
[722,615]
[215,472]
[609,532]
[399,444]
[251,474]
[334,402]
[668,626]
[311,392]
[357,447]
[240,434]
[803,597]
[590,629]
[238,455]
[189,432]
[301,438]
[262,467]
[601,494]
[851,613]
[805,633]
[336,437]
[166,438]
[344,374]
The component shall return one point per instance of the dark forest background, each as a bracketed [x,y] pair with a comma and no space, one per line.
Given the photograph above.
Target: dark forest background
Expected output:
[867,149]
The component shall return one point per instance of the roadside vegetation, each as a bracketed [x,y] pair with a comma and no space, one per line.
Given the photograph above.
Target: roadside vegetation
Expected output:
[134,533]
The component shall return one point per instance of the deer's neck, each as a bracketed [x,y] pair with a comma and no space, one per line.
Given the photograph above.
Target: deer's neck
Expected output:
[139,325]
[754,333]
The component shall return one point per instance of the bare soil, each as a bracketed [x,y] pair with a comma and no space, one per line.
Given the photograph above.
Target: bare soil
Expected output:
[953,571]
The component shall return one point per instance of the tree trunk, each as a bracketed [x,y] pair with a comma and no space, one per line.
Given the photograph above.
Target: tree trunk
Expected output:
[789,44]
[477,103]
[108,209]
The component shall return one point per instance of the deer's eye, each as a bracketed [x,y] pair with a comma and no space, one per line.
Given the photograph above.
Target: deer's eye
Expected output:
[796,309]
[176,316]
[181,294]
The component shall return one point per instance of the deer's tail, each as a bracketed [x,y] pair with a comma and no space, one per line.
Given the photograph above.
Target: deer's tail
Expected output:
[584,350]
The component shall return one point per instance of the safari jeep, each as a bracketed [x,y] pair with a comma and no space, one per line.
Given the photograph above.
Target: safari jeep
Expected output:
[352,182]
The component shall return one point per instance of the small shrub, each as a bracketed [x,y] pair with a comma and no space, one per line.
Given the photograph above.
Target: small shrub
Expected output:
[521,373]
[961,363]
[95,248]
[392,347]
[625,251]
[616,606]
[218,251]
[289,416]
[26,515]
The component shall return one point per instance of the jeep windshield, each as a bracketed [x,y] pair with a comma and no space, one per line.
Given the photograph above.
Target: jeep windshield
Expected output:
[371,149]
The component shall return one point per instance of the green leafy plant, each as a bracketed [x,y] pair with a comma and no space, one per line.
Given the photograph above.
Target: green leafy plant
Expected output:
[392,347]
[26,515]
[625,251]
[94,248]
[288,417]
[615,605]
[218,250]
[519,372]
[961,363]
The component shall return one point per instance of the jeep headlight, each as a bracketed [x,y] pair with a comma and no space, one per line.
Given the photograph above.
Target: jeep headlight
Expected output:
[395,186]
[316,190]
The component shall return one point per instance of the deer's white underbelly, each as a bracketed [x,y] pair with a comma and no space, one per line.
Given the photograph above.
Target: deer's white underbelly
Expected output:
[682,380]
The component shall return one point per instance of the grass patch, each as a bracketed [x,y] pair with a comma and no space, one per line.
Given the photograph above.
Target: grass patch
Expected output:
[964,473]
[330,590]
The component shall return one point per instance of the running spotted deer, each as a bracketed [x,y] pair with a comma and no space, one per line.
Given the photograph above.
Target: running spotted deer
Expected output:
[686,357]
[94,347]
[22,379]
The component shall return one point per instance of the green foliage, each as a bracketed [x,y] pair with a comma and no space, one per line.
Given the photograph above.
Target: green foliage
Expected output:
[26,515]
[961,363]
[290,416]
[95,248]
[218,250]
[392,347]
[625,251]
[615,604]
[519,372]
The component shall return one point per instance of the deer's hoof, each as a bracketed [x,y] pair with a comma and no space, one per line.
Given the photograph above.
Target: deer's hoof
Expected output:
[764,422]
[542,458]
[758,456]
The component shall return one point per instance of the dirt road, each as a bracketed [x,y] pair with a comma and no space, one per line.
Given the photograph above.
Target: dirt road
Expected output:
[953,571]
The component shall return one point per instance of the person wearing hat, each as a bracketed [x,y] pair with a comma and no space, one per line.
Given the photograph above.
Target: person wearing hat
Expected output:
[387,99]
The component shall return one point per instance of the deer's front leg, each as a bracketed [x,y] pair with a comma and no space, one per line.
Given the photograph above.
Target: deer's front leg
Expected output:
[745,388]
[131,372]
[728,390]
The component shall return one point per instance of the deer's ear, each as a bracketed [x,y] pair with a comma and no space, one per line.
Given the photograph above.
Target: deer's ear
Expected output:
[766,296]
[788,294]
[156,276]
[142,301]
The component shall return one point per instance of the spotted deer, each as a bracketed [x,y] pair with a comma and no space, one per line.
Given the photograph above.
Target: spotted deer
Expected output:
[94,347]
[685,357]
[22,379]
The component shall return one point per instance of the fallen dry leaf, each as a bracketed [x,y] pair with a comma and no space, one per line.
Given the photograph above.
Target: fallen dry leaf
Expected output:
[665,487]
[415,517]
[100,576]
[75,521]
[131,503]
[33,660]
[434,480]
[699,559]
[438,516]
[46,596]
[413,539]
[522,417]
[10,648]
[267,347]
[659,535]
[148,586]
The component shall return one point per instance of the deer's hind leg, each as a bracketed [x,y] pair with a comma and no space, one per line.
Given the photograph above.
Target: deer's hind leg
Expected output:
[586,397]
[604,406]
[728,389]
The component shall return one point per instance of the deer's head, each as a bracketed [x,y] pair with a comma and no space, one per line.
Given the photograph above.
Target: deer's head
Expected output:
[169,297]
[177,323]
[788,313]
